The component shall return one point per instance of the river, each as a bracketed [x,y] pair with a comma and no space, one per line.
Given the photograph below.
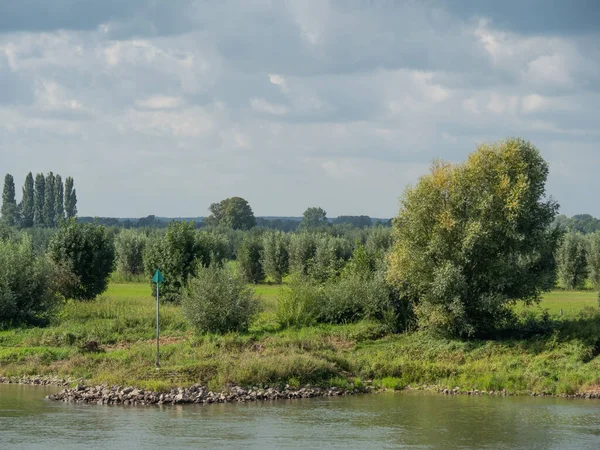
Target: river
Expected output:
[388,420]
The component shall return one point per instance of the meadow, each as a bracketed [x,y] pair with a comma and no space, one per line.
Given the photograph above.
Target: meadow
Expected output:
[557,355]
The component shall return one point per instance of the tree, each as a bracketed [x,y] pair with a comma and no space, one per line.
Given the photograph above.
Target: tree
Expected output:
[355,221]
[176,255]
[129,246]
[314,217]
[249,259]
[59,200]
[27,203]
[70,198]
[275,257]
[9,202]
[593,258]
[49,211]
[39,198]
[472,239]
[88,251]
[571,259]
[234,212]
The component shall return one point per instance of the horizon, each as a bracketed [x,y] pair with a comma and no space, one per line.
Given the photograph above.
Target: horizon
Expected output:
[163,109]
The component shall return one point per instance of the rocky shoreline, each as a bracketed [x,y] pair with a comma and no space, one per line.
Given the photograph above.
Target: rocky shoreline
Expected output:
[118,395]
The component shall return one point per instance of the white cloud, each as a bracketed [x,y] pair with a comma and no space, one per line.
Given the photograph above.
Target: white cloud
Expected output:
[51,96]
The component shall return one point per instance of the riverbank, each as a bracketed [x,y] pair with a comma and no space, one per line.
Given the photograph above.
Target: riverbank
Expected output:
[551,357]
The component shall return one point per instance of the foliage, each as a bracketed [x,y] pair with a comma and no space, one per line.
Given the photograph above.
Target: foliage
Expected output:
[314,217]
[88,251]
[299,303]
[129,246]
[249,259]
[593,259]
[571,259]
[9,210]
[582,223]
[379,240]
[26,284]
[27,203]
[217,301]
[275,256]
[234,212]
[472,239]
[213,247]
[330,256]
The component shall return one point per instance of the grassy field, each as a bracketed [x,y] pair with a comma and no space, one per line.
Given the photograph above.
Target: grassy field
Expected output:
[561,360]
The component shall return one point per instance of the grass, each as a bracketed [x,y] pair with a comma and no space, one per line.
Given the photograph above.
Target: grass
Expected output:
[563,360]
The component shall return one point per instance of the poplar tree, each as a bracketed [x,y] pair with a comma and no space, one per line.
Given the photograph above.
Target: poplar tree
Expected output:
[27,203]
[9,203]
[59,208]
[70,198]
[48,210]
[38,201]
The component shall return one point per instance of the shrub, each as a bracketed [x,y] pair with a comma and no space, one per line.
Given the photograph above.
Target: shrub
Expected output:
[88,251]
[593,258]
[302,251]
[300,302]
[215,300]
[129,246]
[330,257]
[26,284]
[249,259]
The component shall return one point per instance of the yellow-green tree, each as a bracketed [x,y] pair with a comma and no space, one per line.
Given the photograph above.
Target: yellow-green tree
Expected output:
[472,239]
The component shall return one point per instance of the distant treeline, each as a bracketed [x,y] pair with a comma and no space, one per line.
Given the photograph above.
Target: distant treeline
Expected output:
[45,201]
[581,223]
[286,224]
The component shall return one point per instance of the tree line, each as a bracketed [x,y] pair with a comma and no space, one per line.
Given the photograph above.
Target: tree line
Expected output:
[45,201]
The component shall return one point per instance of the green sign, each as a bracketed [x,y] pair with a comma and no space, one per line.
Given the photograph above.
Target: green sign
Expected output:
[158,278]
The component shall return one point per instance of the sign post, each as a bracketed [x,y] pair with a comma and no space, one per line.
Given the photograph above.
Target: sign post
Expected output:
[158,278]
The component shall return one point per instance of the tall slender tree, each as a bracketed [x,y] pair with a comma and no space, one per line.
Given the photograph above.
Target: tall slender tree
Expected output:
[48,210]
[39,197]
[59,207]
[27,203]
[9,202]
[70,198]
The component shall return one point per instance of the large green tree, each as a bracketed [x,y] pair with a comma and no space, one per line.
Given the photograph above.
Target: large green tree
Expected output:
[10,214]
[27,202]
[472,239]
[234,212]
[70,198]
[88,252]
[49,211]
[39,198]
[59,200]
[314,217]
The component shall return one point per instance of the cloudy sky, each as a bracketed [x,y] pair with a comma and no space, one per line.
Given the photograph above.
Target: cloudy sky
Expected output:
[159,107]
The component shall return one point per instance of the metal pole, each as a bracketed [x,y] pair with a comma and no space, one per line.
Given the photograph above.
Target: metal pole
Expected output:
[157,332]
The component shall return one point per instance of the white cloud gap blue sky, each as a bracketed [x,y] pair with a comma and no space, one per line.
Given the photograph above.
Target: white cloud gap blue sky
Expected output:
[165,107]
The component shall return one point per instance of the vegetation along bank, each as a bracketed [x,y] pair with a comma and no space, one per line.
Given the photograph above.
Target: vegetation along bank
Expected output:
[475,286]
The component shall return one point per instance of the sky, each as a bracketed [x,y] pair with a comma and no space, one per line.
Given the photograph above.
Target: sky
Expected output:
[163,108]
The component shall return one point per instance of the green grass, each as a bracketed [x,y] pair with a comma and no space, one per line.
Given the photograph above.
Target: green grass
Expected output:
[122,321]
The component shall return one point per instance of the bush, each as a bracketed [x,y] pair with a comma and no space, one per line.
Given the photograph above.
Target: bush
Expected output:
[302,251]
[129,246]
[330,257]
[217,301]
[300,302]
[88,251]
[26,284]
[249,259]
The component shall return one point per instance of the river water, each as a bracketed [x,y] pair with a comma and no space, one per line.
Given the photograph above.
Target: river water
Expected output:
[402,420]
